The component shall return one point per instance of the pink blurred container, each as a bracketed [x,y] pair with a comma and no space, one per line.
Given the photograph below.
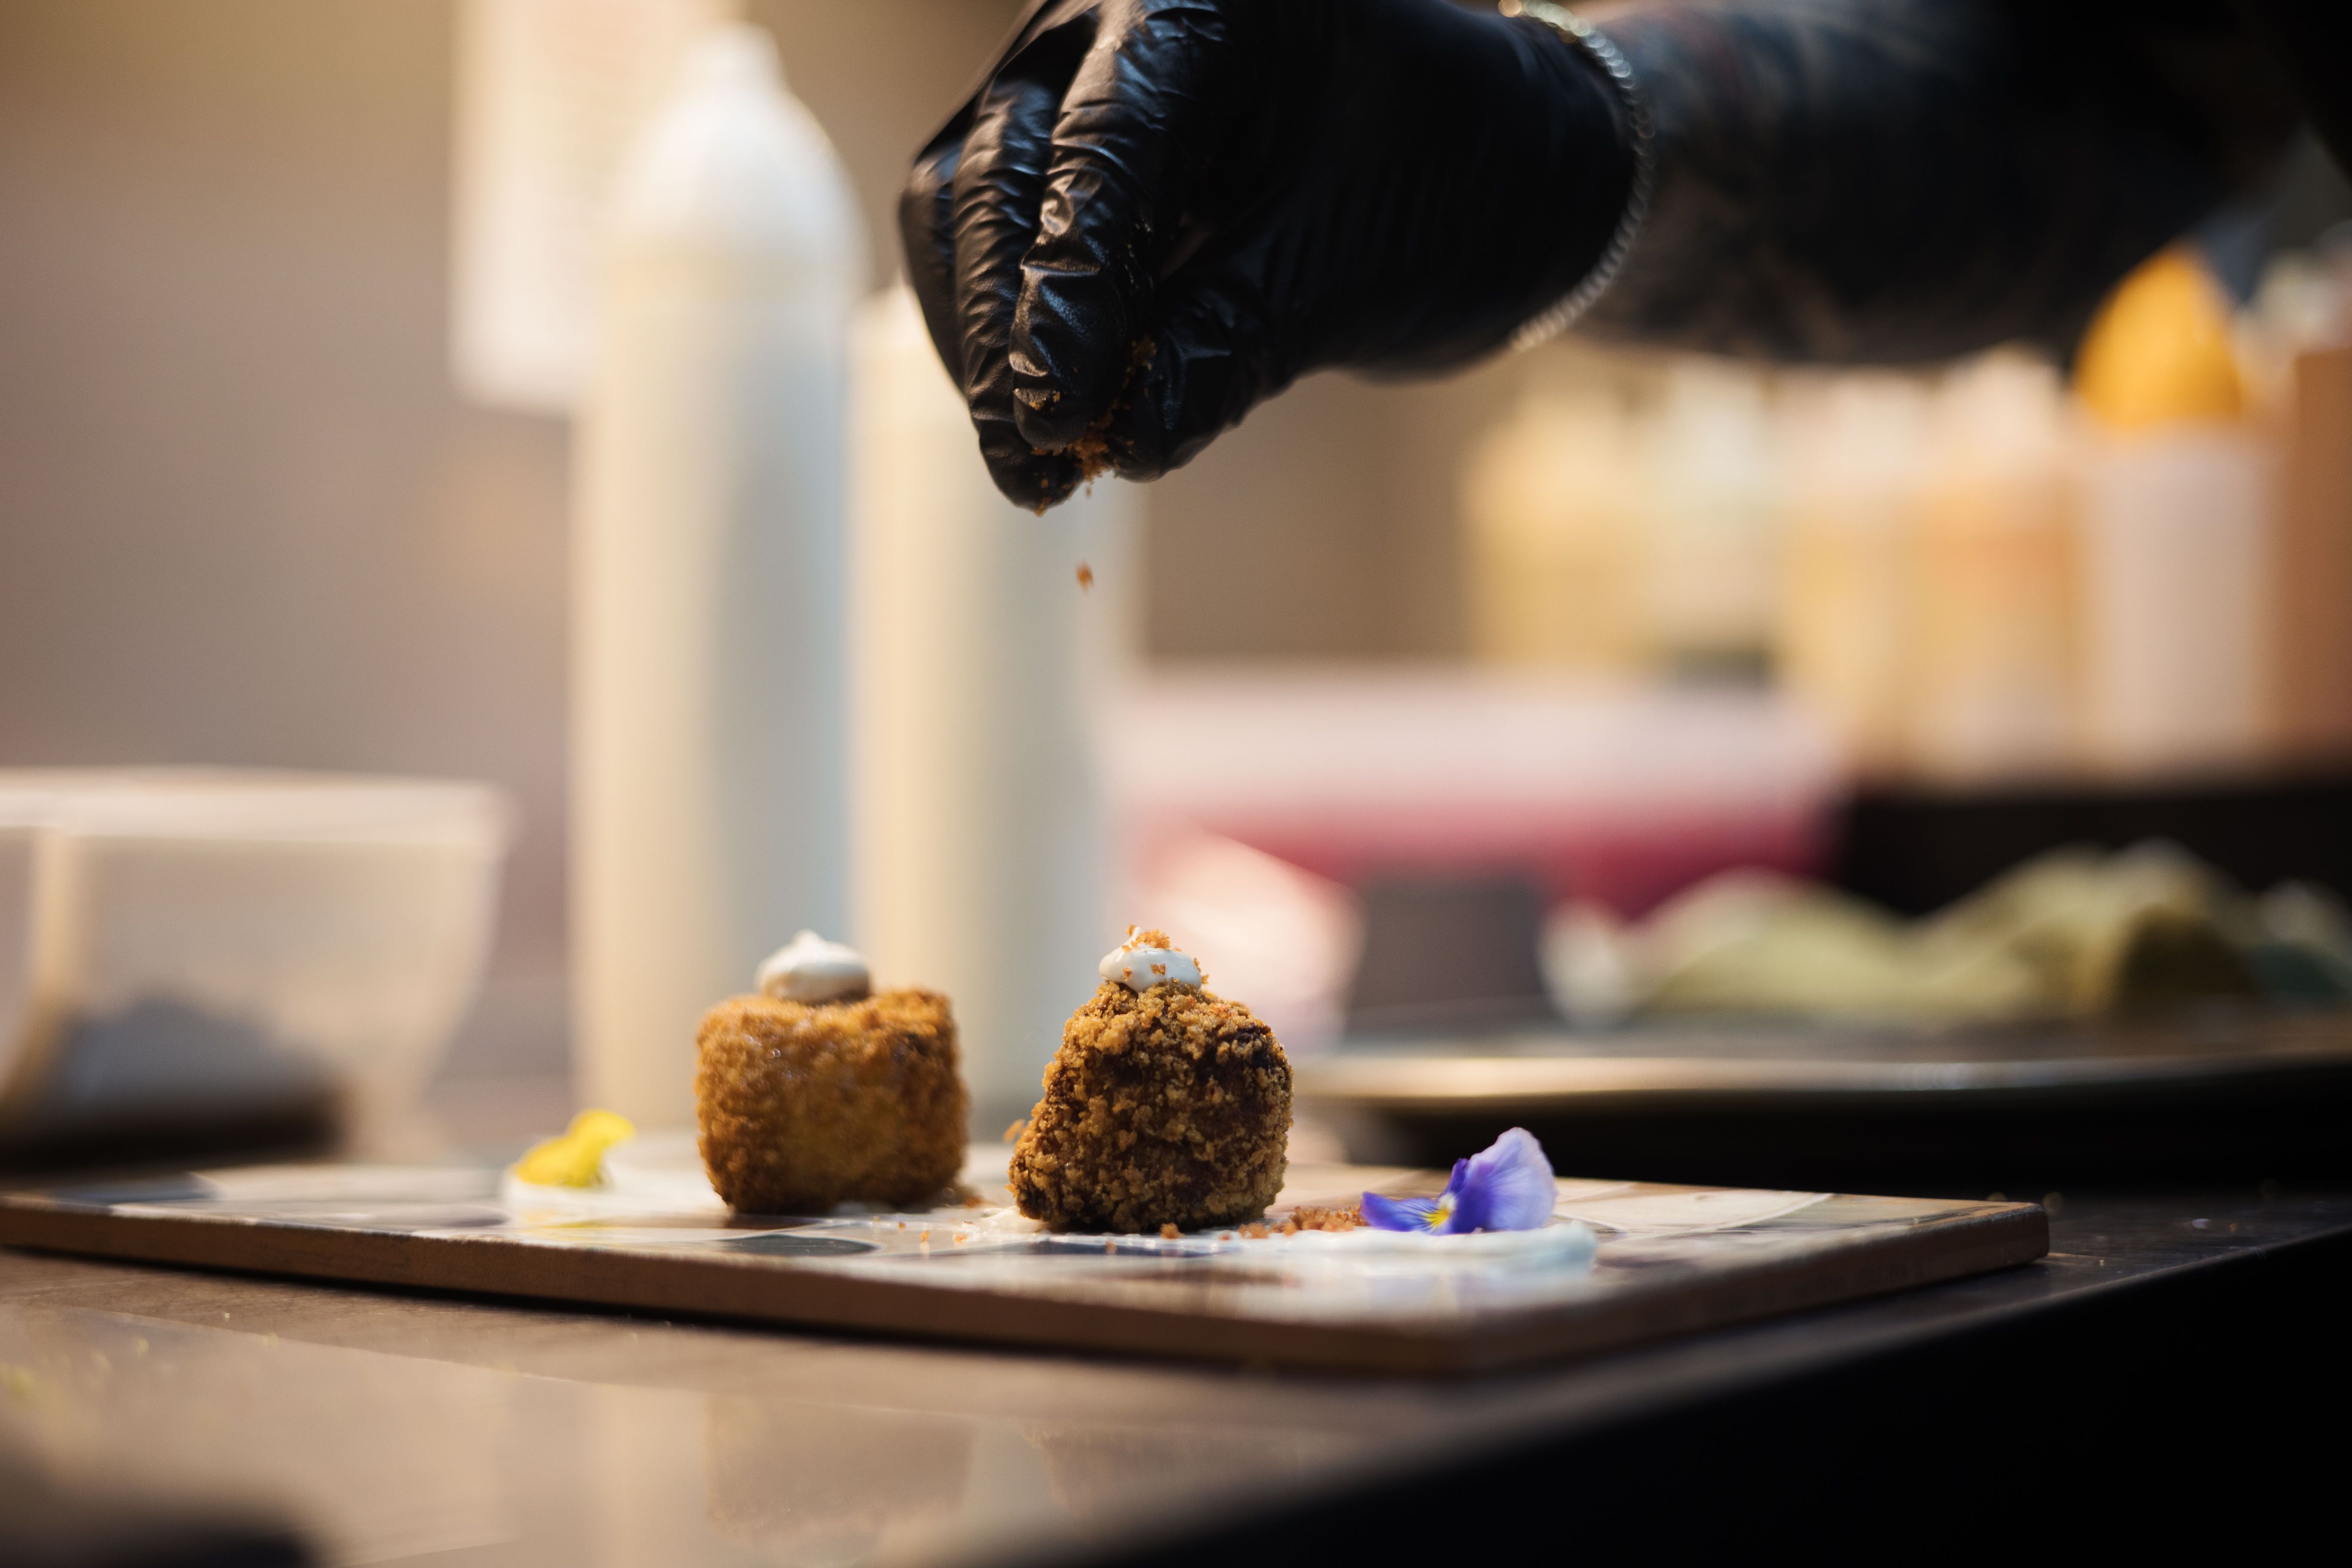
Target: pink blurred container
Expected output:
[1620,795]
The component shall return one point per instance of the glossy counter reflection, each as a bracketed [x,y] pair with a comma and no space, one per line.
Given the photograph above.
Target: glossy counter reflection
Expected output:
[390,1428]
[691,1445]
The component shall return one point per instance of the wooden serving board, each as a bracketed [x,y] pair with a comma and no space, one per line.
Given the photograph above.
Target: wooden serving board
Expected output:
[1667,1259]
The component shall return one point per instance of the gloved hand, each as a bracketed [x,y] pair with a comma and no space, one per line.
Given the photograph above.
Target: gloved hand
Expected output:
[1154,214]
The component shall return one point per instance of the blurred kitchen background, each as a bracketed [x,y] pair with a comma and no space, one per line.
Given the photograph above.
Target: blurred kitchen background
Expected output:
[1456,677]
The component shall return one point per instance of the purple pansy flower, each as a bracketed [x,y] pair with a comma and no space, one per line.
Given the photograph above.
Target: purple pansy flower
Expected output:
[1506,1186]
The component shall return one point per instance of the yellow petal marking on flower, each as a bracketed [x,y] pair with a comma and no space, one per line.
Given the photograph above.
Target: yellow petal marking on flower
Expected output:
[576,1159]
[1436,1218]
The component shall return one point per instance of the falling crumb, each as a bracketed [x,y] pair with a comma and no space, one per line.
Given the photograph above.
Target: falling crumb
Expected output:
[925,1238]
[902,1225]
[1086,577]
[1169,1232]
[1111,1246]
[1012,1134]
[974,1201]
[1349,1218]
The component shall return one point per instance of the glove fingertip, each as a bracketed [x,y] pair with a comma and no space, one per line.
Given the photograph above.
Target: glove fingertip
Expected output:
[1091,427]
[1192,382]
[1031,479]
[1072,352]
[1050,419]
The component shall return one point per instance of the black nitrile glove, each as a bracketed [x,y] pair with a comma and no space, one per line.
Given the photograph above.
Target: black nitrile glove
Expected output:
[1155,214]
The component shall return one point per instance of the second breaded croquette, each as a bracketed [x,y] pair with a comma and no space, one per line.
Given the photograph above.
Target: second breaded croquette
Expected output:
[1167,1107]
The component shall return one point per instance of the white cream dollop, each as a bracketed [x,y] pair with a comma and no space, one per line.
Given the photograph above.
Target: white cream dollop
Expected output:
[1139,968]
[810,969]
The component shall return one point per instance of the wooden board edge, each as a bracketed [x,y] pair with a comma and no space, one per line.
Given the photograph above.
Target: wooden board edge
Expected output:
[713,1288]
[2003,1236]
[741,1291]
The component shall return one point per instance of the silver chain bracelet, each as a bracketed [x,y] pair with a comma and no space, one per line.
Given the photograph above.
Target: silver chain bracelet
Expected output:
[1596,45]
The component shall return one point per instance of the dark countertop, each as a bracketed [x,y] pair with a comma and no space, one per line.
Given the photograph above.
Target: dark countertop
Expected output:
[385,1427]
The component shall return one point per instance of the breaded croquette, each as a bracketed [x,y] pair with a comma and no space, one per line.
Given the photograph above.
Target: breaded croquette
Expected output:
[1167,1107]
[803,1104]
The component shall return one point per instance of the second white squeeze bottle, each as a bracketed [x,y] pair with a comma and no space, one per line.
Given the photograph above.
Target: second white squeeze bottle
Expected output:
[708,661]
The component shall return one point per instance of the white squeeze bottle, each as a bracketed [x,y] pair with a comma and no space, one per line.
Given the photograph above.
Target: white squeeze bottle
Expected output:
[981,865]
[2177,532]
[709,665]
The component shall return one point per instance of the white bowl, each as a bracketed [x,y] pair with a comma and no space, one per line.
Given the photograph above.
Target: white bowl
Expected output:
[185,947]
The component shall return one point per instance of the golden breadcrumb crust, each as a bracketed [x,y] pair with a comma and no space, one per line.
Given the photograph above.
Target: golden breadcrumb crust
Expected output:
[1168,1108]
[802,1104]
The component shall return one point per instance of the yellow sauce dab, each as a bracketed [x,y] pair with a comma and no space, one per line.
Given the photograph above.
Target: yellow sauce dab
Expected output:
[576,1159]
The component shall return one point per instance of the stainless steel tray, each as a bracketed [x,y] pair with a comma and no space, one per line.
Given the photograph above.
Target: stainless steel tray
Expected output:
[2219,1095]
